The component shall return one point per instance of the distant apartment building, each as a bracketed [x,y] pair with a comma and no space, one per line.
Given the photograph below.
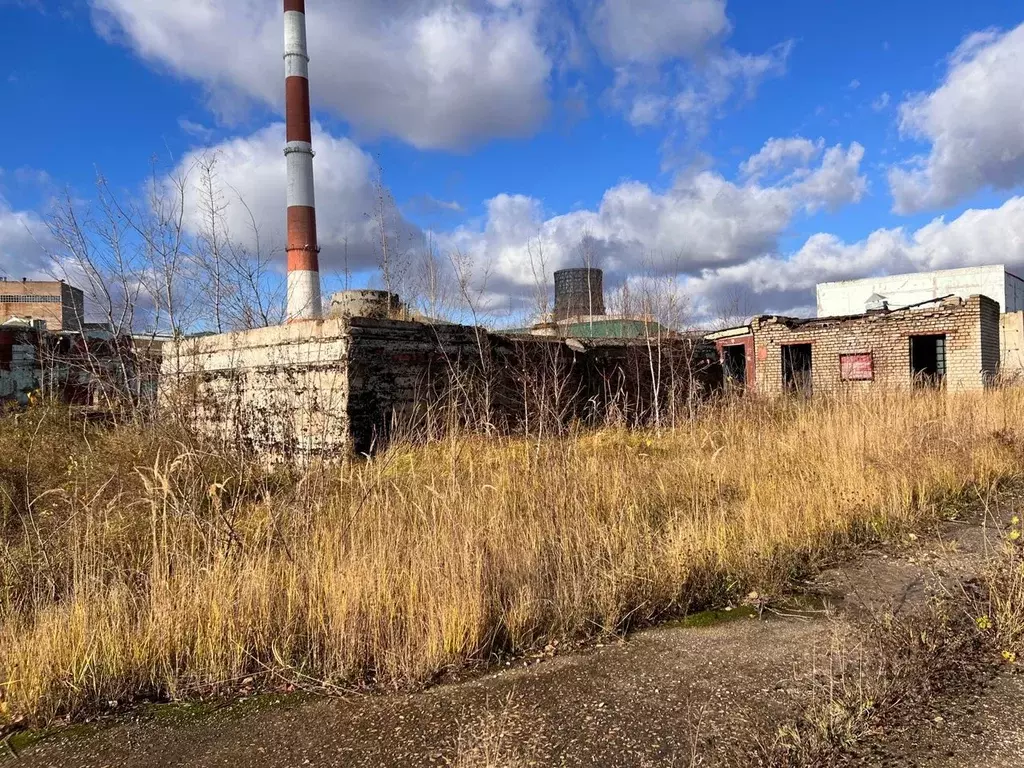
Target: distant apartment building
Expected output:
[60,306]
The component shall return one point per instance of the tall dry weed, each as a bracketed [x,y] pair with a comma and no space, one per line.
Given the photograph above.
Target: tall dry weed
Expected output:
[137,563]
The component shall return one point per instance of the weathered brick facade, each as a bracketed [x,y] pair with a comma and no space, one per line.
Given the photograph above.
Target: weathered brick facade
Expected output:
[878,346]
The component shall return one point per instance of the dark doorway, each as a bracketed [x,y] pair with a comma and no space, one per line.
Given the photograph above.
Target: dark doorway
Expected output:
[796,368]
[734,361]
[928,360]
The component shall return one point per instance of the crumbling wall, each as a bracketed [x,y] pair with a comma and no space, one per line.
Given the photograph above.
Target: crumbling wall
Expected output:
[639,383]
[280,391]
[552,383]
[403,375]
[1011,345]
[971,327]
[337,386]
[424,379]
[539,384]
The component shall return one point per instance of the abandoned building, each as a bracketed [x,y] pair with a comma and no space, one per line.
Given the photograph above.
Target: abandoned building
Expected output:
[346,384]
[950,341]
[851,297]
[319,386]
[47,347]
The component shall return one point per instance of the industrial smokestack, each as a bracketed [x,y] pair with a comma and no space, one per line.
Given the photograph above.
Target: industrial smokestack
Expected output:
[304,302]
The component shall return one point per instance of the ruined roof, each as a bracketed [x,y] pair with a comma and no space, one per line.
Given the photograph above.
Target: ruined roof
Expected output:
[801,322]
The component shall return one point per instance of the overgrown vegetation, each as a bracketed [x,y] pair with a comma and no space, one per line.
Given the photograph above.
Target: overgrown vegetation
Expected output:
[896,666]
[884,676]
[135,563]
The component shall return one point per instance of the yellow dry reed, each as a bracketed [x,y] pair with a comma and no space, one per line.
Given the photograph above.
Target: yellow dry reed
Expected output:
[138,564]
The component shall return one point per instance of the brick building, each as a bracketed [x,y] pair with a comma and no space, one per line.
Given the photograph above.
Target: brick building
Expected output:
[59,305]
[951,342]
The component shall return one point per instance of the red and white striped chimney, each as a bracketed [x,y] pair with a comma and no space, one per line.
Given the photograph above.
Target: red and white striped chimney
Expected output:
[304,302]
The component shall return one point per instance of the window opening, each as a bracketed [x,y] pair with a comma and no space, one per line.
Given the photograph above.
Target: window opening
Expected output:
[797,368]
[928,360]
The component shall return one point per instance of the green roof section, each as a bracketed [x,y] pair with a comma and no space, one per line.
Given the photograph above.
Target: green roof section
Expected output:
[612,328]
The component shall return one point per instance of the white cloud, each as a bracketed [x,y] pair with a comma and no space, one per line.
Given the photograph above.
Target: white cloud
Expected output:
[781,153]
[974,122]
[252,169]
[652,31]
[670,61]
[647,109]
[881,102]
[194,129]
[854,84]
[24,239]
[774,282]
[723,76]
[835,183]
[703,222]
[694,94]
[435,73]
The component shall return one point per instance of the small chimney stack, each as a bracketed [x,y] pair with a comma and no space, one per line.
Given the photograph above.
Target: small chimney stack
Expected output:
[304,301]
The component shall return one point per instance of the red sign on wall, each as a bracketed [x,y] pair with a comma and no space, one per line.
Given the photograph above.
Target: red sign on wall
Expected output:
[857,367]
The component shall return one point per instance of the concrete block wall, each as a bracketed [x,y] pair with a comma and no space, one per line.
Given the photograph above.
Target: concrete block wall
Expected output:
[336,386]
[314,388]
[971,327]
[281,391]
[399,370]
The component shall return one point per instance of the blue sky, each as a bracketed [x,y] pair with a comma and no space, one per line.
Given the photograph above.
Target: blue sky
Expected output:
[498,123]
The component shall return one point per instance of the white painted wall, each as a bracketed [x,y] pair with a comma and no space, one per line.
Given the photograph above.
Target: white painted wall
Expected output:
[850,297]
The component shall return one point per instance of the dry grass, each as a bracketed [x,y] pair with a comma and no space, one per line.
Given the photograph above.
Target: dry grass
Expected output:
[137,564]
[492,740]
[896,666]
[1005,593]
[884,676]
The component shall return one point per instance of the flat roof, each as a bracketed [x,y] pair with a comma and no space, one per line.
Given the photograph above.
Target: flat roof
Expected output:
[954,270]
